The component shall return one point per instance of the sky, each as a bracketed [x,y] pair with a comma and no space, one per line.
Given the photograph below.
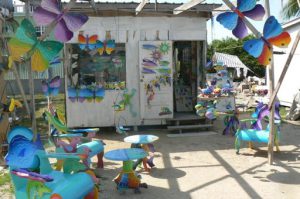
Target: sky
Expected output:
[275,8]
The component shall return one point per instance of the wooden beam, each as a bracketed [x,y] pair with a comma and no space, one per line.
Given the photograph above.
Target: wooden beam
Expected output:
[140,7]
[271,89]
[284,70]
[186,6]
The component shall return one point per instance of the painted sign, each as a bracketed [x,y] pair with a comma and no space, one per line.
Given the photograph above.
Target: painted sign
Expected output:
[156,80]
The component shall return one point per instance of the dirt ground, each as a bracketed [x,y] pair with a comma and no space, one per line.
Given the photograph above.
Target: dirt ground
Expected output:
[206,166]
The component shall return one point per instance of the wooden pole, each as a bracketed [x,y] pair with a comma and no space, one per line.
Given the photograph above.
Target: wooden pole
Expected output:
[271,76]
[31,82]
[14,69]
[271,89]
[31,79]
[284,70]
[20,86]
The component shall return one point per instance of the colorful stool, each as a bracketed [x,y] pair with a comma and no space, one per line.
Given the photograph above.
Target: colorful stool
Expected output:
[127,178]
[144,142]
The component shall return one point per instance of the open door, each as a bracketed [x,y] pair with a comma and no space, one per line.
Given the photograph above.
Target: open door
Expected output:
[156,81]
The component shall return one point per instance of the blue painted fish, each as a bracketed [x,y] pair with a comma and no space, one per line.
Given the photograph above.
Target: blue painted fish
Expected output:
[149,47]
[148,71]
[148,62]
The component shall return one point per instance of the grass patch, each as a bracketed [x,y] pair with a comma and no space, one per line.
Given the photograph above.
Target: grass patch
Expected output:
[4,179]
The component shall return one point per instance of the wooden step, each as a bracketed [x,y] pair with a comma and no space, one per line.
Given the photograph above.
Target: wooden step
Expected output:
[198,126]
[187,118]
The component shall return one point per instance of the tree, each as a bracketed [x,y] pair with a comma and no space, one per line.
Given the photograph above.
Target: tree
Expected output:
[291,9]
[235,47]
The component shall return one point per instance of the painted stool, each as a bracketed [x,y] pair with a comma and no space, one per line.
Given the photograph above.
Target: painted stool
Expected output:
[144,142]
[127,177]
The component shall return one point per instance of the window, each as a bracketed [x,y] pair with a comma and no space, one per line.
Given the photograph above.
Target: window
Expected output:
[39,30]
[108,71]
[19,9]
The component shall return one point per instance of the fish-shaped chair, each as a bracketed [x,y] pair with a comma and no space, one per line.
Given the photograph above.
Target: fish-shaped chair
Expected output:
[95,147]
[32,174]
[256,133]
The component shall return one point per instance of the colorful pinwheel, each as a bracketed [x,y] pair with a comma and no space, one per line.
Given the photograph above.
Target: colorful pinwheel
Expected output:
[66,23]
[234,20]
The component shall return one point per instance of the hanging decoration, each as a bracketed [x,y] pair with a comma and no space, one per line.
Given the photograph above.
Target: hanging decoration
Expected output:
[88,42]
[108,46]
[91,93]
[26,45]
[91,43]
[9,106]
[66,23]
[272,35]
[234,20]
[51,88]
[126,101]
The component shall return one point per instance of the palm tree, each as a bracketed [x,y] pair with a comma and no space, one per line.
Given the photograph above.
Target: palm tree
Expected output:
[291,9]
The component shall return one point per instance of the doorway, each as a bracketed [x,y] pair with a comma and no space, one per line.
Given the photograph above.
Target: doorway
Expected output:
[188,59]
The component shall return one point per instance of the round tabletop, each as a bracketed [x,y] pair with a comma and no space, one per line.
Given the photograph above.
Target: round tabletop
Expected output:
[87,130]
[68,135]
[125,154]
[141,139]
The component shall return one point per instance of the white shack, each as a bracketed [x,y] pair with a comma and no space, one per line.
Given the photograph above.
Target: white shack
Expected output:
[150,75]
[291,83]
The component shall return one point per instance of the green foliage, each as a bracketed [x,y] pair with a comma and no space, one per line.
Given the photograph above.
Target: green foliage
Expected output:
[290,9]
[235,47]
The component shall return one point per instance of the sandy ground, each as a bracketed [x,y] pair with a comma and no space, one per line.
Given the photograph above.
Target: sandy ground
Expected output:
[206,166]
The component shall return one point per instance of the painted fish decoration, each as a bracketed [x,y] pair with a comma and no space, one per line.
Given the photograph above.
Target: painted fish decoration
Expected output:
[164,63]
[164,70]
[148,62]
[149,47]
[148,71]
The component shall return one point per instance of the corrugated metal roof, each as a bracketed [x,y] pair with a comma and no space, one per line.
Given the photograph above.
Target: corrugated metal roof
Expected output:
[23,73]
[231,61]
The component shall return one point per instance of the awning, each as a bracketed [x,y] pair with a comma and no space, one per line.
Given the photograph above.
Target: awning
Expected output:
[231,61]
